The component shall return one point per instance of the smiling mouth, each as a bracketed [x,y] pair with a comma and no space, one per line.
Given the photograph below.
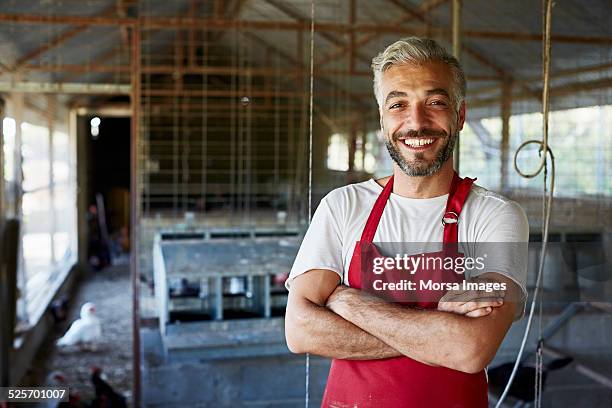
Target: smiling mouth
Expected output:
[418,142]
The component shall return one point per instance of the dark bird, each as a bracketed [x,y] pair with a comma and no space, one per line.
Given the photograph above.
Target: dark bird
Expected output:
[106,397]
[59,310]
[58,379]
[522,387]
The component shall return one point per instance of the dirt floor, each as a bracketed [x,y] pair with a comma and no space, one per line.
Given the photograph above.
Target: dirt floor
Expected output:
[110,291]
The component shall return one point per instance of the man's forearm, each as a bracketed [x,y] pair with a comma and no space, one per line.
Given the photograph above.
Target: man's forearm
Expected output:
[429,336]
[317,330]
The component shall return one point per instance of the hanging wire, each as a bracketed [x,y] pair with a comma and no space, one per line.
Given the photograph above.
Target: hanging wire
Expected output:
[310,109]
[546,201]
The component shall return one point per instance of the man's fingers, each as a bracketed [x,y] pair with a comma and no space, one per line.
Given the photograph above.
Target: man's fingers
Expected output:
[469,307]
[475,305]
[470,295]
[480,312]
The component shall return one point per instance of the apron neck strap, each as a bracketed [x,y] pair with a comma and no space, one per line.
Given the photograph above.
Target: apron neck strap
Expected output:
[460,188]
[379,206]
[458,193]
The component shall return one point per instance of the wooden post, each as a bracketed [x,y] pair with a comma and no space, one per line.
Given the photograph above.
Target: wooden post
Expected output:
[352,19]
[363,134]
[352,146]
[18,103]
[191,36]
[506,111]
[135,212]
[79,136]
[456,9]
[51,107]
[2,111]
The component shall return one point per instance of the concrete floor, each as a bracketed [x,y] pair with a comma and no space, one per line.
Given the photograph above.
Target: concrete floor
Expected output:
[109,290]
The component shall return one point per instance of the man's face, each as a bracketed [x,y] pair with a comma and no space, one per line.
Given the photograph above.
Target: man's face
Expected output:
[418,117]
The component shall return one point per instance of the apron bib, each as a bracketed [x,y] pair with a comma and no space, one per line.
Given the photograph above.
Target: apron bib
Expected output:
[401,381]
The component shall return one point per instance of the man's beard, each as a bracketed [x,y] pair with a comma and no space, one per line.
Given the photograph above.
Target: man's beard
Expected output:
[419,167]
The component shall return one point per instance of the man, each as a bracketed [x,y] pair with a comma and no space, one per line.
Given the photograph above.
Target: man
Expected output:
[393,354]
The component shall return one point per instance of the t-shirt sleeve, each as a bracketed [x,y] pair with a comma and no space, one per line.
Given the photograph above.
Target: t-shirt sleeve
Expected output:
[504,243]
[322,244]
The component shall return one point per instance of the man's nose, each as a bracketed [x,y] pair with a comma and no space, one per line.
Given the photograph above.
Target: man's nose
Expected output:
[417,117]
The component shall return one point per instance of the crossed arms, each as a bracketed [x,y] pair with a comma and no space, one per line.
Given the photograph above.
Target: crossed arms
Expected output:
[336,321]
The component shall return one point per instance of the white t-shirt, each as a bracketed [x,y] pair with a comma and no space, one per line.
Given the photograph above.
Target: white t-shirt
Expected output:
[341,216]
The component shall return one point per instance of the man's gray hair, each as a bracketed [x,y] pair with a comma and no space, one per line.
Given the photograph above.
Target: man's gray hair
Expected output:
[416,51]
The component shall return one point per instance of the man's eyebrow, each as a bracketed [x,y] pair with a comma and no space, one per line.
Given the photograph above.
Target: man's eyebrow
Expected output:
[438,91]
[395,94]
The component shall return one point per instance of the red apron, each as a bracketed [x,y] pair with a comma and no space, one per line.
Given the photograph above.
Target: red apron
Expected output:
[401,381]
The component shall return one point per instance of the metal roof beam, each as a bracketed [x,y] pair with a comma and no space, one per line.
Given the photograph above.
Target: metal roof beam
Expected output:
[558,91]
[487,61]
[297,16]
[211,70]
[424,7]
[55,42]
[300,66]
[207,24]
[65,88]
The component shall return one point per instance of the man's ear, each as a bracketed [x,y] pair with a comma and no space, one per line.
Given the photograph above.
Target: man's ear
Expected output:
[461,118]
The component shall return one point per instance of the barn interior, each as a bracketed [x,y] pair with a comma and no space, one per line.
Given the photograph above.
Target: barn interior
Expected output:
[162,160]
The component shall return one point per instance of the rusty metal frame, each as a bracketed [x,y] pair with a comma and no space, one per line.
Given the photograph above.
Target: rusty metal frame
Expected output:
[210,24]
[423,8]
[60,39]
[135,211]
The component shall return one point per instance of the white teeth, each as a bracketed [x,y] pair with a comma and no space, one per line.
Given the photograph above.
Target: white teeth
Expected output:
[418,142]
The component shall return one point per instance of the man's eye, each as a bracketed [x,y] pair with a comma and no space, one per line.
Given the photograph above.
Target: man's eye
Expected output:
[395,106]
[443,103]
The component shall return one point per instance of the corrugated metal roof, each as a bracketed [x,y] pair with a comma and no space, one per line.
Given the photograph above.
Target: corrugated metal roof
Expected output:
[517,59]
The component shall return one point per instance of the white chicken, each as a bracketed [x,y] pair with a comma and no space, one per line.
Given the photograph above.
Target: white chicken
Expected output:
[85,331]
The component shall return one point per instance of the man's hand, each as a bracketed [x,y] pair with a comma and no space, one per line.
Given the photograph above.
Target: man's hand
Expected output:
[334,296]
[471,303]
[432,337]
